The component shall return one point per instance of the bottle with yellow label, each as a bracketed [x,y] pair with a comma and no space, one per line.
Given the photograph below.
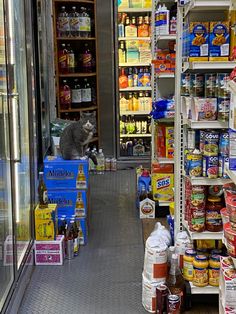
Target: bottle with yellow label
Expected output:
[79,207]
[81,182]
[200,271]
[214,270]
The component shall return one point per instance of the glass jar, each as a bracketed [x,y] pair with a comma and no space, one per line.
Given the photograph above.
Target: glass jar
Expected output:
[188,264]
[200,271]
[214,270]
[213,215]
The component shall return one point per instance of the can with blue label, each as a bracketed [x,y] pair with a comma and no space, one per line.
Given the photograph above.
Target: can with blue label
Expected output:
[210,167]
[211,143]
[224,144]
[223,165]
[223,108]
[202,141]
[194,165]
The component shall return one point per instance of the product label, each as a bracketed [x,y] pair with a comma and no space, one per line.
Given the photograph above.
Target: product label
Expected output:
[213,218]
[71,60]
[200,276]
[188,270]
[86,94]
[76,96]
[214,274]
[74,24]
[85,24]
[64,24]
[147,208]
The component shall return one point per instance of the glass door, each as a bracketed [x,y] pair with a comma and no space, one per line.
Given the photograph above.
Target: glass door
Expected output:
[6,226]
[20,139]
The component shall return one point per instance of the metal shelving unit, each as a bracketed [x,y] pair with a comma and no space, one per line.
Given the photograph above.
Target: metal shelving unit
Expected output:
[182,124]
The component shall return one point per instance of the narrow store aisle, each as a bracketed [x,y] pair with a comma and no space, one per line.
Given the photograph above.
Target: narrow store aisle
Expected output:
[106,276]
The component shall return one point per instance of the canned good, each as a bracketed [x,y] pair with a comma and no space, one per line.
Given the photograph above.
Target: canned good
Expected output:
[191,139]
[113,164]
[224,144]
[188,264]
[202,141]
[214,270]
[108,164]
[222,80]
[194,165]
[211,143]
[197,88]
[173,304]
[210,85]
[223,108]
[197,219]
[185,84]
[162,293]
[200,271]
[210,167]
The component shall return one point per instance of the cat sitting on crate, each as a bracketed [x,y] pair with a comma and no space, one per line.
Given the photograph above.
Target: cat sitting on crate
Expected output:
[76,137]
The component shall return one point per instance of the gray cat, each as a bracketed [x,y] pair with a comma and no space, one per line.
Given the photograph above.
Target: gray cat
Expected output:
[76,136]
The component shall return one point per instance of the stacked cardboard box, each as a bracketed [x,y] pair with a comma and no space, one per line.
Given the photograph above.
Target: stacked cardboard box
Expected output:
[67,183]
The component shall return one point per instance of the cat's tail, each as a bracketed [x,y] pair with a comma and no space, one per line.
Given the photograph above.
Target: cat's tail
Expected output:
[93,157]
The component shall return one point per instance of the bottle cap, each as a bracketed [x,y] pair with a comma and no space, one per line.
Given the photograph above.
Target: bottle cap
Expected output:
[100,150]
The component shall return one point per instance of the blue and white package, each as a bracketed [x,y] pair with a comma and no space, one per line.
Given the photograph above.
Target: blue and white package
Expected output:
[164,105]
[224,144]
[163,114]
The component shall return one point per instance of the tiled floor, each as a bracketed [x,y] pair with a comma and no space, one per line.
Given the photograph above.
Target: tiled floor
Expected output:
[106,277]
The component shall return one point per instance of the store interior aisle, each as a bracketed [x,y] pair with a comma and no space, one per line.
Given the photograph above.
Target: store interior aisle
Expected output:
[106,276]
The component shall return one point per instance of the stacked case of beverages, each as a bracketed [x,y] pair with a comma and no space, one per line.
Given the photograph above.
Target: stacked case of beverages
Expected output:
[67,183]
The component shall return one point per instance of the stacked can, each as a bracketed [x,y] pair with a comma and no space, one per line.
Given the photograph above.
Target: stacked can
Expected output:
[223,154]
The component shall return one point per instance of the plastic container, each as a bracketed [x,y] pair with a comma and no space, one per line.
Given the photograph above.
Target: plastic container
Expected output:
[200,271]
[213,215]
[188,264]
[164,20]
[214,270]
[144,180]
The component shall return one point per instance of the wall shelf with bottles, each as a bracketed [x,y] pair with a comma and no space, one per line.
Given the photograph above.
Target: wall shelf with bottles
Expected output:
[134,83]
[75,42]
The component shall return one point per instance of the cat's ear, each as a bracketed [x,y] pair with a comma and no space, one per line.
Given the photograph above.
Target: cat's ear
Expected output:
[94,114]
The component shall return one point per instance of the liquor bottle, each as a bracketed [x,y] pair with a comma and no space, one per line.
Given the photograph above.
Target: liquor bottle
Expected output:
[175,281]
[63,23]
[81,182]
[79,206]
[74,233]
[148,102]
[42,192]
[127,25]
[130,102]
[144,127]
[143,27]
[147,25]
[86,59]
[76,97]
[135,102]
[141,100]
[69,242]
[130,78]
[85,23]
[121,25]
[122,52]
[70,59]
[65,95]
[74,23]
[123,79]
[86,92]
[63,59]
[123,103]
[135,77]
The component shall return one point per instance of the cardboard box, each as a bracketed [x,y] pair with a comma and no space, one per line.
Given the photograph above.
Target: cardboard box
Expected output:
[50,252]
[162,168]
[232,149]
[219,41]
[45,223]
[160,138]
[169,142]
[69,202]
[162,186]
[65,174]
[198,41]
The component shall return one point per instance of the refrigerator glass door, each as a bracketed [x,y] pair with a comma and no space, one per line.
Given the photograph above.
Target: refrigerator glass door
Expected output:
[6,244]
[18,101]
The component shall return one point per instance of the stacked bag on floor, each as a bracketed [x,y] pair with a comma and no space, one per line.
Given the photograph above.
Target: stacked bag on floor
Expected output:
[67,183]
[155,265]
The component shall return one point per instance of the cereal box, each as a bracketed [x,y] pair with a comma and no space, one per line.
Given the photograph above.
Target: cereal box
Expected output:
[69,202]
[198,41]
[65,174]
[162,185]
[205,109]
[219,41]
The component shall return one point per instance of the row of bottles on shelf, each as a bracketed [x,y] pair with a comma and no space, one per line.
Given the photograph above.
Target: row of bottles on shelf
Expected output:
[130,125]
[134,51]
[74,22]
[103,163]
[135,147]
[134,26]
[70,62]
[165,20]
[141,101]
[77,94]
[134,77]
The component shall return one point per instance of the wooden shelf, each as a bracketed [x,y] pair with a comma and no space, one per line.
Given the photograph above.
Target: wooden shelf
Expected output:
[79,109]
[78,1]
[75,38]
[78,74]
